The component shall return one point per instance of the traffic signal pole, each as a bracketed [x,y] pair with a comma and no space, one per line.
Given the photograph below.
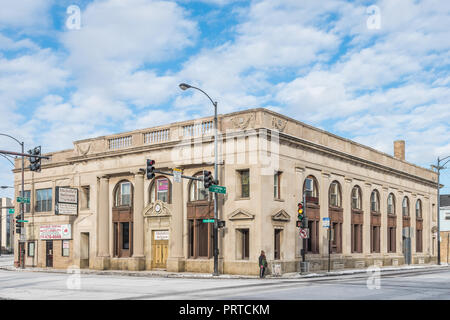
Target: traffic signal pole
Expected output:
[21,253]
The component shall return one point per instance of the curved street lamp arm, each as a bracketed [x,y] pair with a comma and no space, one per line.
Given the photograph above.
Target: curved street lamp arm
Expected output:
[214,103]
[442,167]
[7,135]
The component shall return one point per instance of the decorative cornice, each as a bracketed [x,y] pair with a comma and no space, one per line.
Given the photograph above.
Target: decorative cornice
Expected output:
[157,209]
[281,215]
[240,214]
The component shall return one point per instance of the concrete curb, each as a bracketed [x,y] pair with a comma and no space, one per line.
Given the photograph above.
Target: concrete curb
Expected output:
[286,276]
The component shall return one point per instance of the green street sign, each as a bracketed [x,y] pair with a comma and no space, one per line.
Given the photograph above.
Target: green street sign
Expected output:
[208,220]
[23,200]
[22,220]
[217,189]
[10,211]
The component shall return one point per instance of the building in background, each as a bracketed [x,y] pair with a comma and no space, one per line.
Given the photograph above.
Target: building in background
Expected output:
[93,206]
[6,226]
[445,227]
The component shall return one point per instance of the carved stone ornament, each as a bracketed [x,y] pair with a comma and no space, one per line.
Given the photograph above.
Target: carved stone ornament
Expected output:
[83,148]
[242,122]
[278,124]
[281,216]
[240,214]
[156,209]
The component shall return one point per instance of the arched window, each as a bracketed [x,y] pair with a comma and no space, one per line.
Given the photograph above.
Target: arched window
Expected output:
[123,194]
[197,191]
[356,221]
[419,209]
[391,204]
[161,189]
[312,195]
[356,198]
[335,194]
[375,201]
[405,207]
[122,219]
[312,213]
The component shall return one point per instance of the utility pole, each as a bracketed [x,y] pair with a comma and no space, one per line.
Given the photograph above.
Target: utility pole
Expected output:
[438,168]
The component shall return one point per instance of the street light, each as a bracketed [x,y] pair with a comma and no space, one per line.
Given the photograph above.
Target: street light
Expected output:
[185,86]
[4,187]
[438,167]
[22,215]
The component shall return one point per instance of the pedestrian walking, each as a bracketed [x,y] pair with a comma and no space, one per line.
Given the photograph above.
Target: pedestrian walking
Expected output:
[262,264]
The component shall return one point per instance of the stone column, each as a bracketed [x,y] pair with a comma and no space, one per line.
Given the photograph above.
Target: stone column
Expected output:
[175,261]
[365,193]
[346,227]
[103,224]
[138,261]
[324,185]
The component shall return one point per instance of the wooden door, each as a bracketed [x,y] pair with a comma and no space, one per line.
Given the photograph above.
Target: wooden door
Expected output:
[160,252]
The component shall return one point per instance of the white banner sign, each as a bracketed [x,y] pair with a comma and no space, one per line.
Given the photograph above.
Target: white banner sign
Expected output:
[66,201]
[162,235]
[55,232]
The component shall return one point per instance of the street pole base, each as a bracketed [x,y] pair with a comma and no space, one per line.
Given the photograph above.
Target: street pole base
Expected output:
[304,267]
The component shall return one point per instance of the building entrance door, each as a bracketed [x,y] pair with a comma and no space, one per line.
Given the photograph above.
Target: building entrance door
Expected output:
[49,253]
[84,250]
[160,245]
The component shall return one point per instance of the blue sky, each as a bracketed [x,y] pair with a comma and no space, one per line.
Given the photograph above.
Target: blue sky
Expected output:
[370,71]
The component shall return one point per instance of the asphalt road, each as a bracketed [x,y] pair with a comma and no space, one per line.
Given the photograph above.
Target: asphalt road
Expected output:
[410,285]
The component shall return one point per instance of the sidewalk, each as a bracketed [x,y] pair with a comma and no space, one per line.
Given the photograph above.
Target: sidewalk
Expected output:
[192,275]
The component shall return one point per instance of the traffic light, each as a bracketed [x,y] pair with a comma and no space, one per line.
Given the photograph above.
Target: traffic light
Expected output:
[150,169]
[18,224]
[300,211]
[35,162]
[207,179]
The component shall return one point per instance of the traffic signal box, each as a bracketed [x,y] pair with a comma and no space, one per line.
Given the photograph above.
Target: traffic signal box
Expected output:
[35,162]
[150,170]
[207,179]
[18,224]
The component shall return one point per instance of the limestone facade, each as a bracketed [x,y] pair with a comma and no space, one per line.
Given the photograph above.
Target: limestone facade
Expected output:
[265,158]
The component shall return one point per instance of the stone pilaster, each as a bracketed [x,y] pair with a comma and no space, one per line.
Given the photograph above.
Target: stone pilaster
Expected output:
[138,261]
[103,224]
[175,261]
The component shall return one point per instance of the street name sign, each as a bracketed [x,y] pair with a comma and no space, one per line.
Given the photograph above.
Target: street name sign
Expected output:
[208,220]
[217,189]
[23,200]
[10,211]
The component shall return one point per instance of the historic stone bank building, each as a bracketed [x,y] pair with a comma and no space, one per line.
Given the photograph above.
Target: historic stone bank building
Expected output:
[382,209]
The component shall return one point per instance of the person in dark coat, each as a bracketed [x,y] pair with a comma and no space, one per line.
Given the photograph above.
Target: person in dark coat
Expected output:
[262,264]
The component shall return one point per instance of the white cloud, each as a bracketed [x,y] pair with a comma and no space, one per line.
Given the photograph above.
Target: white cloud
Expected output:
[29,15]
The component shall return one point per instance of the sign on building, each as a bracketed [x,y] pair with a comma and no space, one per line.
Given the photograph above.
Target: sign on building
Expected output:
[162,235]
[55,232]
[66,201]
[176,175]
[326,222]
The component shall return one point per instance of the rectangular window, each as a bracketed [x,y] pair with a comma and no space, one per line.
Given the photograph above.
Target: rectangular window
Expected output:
[277,244]
[375,238]
[125,194]
[202,238]
[125,235]
[356,231]
[27,206]
[162,189]
[44,200]
[245,183]
[244,241]
[277,185]
[419,241]
[191,238]
[312,243]
[65,248]
[31,249]
[391,239]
